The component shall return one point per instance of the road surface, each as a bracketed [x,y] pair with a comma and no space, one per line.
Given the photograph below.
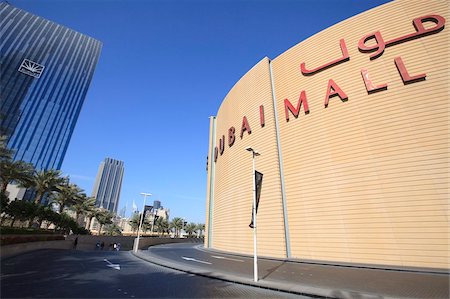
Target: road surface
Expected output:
[107,274]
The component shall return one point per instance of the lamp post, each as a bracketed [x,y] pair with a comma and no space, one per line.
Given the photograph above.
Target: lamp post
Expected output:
[140,223]
[255,257]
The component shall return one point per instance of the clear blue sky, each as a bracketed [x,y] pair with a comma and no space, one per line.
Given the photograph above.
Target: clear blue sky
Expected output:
[164,69]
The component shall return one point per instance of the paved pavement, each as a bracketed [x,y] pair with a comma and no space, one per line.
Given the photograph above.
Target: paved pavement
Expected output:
[301,278]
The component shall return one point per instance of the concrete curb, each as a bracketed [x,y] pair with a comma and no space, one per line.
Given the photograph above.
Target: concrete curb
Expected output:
[298,289]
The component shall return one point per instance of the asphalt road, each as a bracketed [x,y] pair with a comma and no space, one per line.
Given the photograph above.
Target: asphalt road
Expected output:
[103,274]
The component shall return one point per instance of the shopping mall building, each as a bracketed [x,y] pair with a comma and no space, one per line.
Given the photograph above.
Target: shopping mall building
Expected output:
[352,126]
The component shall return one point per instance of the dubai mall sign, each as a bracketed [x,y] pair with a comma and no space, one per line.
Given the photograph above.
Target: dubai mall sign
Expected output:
[333,89]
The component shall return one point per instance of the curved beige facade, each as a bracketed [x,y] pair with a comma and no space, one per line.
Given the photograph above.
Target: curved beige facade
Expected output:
[354,149]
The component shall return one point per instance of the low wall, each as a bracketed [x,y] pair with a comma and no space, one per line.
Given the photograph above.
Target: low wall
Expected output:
[146,242]
[126,242]
[86,242]
[19,248]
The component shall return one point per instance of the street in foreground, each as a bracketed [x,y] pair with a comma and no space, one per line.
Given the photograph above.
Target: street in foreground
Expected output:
[106,274]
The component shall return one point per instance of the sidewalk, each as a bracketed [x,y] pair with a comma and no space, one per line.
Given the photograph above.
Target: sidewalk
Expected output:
[313,279]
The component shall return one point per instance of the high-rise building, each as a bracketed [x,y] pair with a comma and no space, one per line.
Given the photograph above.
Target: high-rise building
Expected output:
[156,204]
[108,184]
[45,72]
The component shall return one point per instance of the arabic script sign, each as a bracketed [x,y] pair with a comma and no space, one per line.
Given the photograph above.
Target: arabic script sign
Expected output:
[424,25]
[31,68]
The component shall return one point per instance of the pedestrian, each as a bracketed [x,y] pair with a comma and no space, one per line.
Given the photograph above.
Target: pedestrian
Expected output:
[118,246]
[115,247]
[75,243]
[97,246]
[102,245]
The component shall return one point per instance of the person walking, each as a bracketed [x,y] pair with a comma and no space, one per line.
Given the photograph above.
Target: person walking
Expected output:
[75,243]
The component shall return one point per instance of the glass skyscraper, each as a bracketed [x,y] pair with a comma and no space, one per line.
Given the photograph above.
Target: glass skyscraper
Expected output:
[108,184]
[45,70]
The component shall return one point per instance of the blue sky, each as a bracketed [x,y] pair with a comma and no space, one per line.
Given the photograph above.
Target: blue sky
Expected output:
[164,69]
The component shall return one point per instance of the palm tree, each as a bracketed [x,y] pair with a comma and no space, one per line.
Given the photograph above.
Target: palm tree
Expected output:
[177,224]
[134,221]
[18,171]
[83,206]
[90,214]
[68,194]
[162,225]
[190,228]
[47,181]
[200,228]
[104,217]
[5,153]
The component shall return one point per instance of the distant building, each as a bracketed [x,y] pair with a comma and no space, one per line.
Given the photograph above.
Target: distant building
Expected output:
[156,204]
[45,72]
[108,184]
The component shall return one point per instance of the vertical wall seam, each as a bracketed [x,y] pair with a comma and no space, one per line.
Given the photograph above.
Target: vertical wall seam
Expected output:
[212,170]
[280,162]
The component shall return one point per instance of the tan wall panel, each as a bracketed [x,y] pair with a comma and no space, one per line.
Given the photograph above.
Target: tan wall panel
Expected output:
[233,184]
[371,172]
[366,179]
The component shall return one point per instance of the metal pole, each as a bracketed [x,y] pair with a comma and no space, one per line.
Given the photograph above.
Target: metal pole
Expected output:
[140,223]
[255,257]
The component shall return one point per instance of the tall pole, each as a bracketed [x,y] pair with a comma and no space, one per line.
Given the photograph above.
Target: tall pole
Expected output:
[255,257]
[140,222]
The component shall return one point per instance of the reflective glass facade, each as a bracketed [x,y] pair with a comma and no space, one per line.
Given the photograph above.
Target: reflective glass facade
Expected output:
[108,184]
[46,70]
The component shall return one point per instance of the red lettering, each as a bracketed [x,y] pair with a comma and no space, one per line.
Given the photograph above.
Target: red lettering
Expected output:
[245,126]
[370,87]
[406,77]
[216,153]
[334,90]
[261,116]
[222,144]
[231,136]
[295,110]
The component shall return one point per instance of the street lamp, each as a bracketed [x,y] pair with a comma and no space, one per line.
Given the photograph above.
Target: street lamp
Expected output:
[140,223]
[255,257]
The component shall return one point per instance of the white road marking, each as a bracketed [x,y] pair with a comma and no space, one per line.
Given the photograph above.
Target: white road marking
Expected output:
[226,258]
[111,265]
[194,260]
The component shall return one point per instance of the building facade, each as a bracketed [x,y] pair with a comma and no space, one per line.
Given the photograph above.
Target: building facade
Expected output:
[45,70]
[108,184]
[352,128]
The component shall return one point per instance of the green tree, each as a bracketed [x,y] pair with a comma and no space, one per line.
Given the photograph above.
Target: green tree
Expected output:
[177,225]
[190,229]
[113,230]
[4,201]
[47,181]
[45,213]
[21,210]
[65,223]
[17,171]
